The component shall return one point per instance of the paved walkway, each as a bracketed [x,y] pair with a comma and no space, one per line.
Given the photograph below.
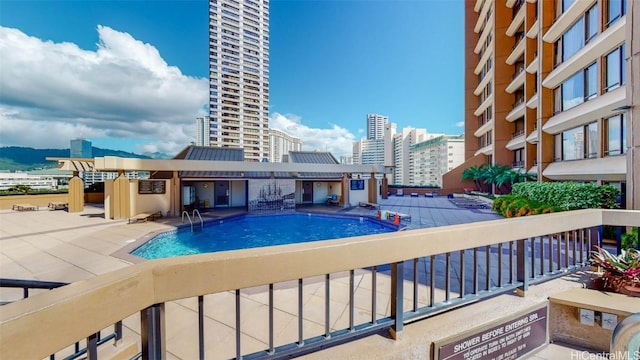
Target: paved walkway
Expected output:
[68,247]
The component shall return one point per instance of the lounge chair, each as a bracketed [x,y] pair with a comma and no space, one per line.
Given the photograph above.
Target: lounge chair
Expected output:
[24,207]
[369,205]
[399,192]
[144,217]
[58,205]
[333,200]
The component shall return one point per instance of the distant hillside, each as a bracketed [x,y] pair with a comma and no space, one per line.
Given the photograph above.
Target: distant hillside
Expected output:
[25,158]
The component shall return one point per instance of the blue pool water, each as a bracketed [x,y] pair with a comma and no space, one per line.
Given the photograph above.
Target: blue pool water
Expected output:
[250,231]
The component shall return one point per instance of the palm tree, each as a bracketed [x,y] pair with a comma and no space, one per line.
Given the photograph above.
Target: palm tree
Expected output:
[475,173]
[497,175]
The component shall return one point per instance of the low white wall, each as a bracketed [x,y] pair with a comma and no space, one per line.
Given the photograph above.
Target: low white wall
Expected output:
[149,203]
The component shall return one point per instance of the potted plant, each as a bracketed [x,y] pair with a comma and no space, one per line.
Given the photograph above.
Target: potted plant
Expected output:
[620,273]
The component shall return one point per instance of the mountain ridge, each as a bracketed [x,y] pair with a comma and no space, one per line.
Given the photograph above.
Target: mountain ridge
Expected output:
[18,158]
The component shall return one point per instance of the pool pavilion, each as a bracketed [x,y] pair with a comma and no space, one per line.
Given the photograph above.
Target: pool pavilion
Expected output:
[207,178]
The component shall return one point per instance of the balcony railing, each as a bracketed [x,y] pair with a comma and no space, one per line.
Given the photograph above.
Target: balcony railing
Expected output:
[517,133]
[517,164]
[489,258]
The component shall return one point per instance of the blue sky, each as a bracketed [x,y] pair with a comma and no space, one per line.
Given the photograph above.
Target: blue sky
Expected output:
[132,75]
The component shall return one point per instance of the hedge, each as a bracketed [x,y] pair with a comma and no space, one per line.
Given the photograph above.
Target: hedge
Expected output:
[569,195]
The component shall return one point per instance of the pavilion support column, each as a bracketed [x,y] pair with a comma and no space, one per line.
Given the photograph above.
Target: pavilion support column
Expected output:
[76,193]
[108,199]
[175,194]
[121,197]
[385,187]
[373,189]
[345,190]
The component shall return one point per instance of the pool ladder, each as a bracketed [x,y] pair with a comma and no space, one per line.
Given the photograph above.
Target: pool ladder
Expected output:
[193,215]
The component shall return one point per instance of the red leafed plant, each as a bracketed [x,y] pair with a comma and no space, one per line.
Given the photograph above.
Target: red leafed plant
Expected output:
[621,273]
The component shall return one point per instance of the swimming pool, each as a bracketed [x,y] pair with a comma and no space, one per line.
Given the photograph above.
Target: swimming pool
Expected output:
[250,231]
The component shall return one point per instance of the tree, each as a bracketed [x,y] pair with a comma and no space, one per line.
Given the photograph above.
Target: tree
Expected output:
[475,173]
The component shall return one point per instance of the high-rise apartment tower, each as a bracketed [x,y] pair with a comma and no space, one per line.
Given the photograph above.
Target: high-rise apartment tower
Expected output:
[375,126]
[549,89]
[239,76]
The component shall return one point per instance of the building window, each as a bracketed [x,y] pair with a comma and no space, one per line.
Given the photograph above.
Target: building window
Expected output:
[615,69]
[577,89]
[615,9]
[615,138]
[591,140]
[583,30]
[573,144]
[577,143]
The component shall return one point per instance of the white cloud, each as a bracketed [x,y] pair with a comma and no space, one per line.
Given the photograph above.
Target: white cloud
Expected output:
[53,92]
[460,124]
[335,139]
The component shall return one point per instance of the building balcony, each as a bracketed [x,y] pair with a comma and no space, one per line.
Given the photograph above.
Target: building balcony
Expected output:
[532,103]
[485,150]
[478,4]
[532,138]
[517,165]
[486,127]
[517,82]
[483,60]
[482,16]
[517,141]
[564,21]
[533,31]
[517,52]
[612,168]
[485,104]
[517,21]
[483,36]
[483,83]
[599,45]
[517,112]
[600,107]
[532,68]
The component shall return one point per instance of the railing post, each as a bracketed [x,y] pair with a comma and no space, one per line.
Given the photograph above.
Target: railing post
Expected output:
[153,332]
[397,297]
[522,265]
[92,346]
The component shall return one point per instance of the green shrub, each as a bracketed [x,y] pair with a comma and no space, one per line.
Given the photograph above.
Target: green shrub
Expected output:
[630,241]
[515,206]
[569,195]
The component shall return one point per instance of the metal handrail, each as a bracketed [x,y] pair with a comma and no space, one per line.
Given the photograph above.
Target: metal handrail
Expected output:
[193,214]
[625,339]
[188,217]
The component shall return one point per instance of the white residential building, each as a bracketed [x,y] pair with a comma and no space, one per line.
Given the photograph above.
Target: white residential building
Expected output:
[376,126]
[432,158]
[401,144]
[280,143]
[36,182]
[202,131]
[239,76]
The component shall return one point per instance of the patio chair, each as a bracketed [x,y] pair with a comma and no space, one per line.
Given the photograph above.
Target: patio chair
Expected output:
[333,200]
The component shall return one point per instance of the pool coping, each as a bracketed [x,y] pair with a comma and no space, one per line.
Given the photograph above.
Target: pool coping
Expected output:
[124,253]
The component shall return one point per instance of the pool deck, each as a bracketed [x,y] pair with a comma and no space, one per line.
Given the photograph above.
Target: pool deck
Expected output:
[68,247]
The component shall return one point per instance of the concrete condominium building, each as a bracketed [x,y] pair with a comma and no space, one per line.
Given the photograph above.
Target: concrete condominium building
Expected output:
[239,76]
[202,131]
[402,142]
[376,126]
[433,158]
[549,89]
[280,143]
